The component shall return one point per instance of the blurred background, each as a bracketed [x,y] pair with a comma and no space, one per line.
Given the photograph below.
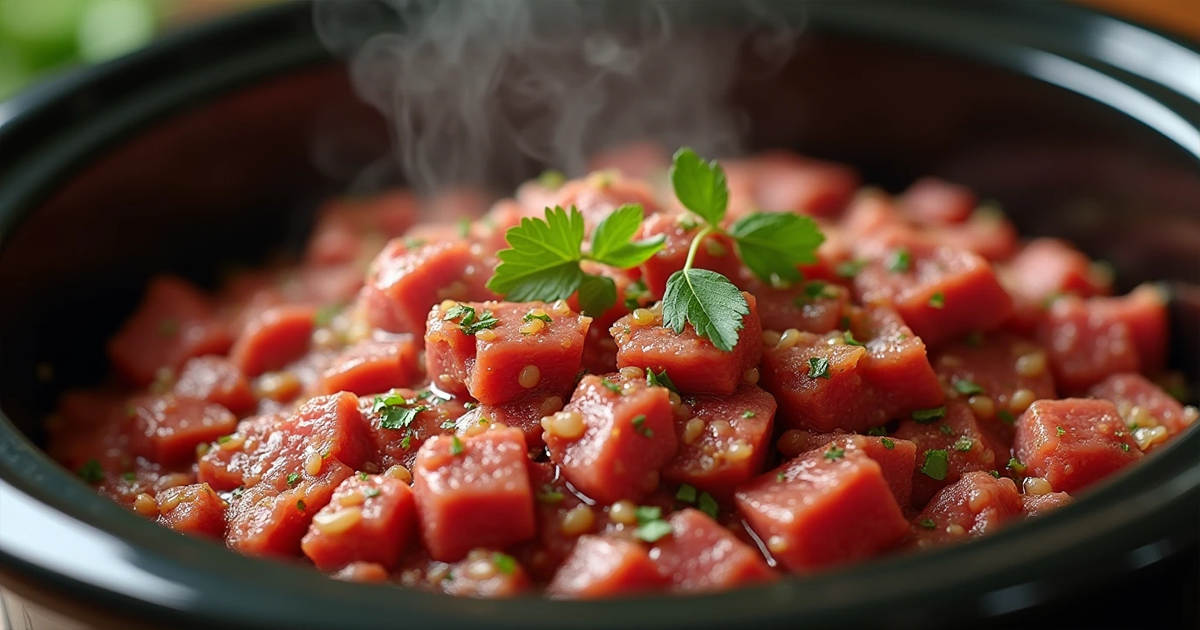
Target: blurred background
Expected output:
[39,38]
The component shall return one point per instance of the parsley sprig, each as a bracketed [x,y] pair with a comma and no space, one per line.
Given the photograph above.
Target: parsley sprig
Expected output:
[771,245]
[543,258]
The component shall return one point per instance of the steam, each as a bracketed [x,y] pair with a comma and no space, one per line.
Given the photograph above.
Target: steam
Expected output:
[483,92]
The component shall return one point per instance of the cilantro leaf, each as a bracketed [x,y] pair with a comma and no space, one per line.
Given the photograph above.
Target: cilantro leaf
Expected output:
[613,244]
[660,380]
[774,243]
[597,294]
[700,186]
[708,301]
[653,531]
[542,261]
[936,464]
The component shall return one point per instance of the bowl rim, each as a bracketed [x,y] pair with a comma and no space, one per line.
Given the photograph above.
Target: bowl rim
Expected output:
[188,582]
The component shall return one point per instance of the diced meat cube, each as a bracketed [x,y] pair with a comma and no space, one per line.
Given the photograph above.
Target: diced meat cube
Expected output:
[693,362]
[487,575]
[398,443]
[274,338]
[1039,504]
[218,381]
[701,556]
[1145,405]
[823,508]
[851,387]
[967,446]
[268,449]
[1002,373]
[167,428]
[987,232]
[363,572]
[403,283]
[1073,443]
[473,492]
[816,306]
[369,519]
[932,201]
[192,509]
[372,366]
[606,566]
[723,440]
[174,322]
[543,555]
[525,413]
[613,438]
[598,194]
[715,253]
[519,354]
[941,292]
[346,226]
[896,457]
[1047,268]
[92,424]
[270,520]
[331,285]
[1090,340]
[779,181]
[974,505]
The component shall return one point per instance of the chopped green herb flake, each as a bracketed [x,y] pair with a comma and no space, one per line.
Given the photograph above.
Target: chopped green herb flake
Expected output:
[748,414]
[967,388]
[780,477]
[937,463]
[937,300]
[849,337]
[464,228]
[816,290]
[708,505]
[407,441]
[899,260]
[1060,431]
[929,415]
[635,292]
[647,513]
[686,493]
[653,531]
[129,476]
[396,418]
[292,478]
[888,443]
[301,505]
[660,380]
[639,425]
[325,315]
[456,446]
[877,431]
[994,473]
[469,406]
[530,316]
[549,495]
[371,493]
[945,429]
[1125,447]
[447,425]
[835,453]
[927,523]
[1006,416]
[1016,466]
[362,476]
[850,268]
[504,563]
[818,367]
[610,386]
[224,438]
[91,471]
[963,444]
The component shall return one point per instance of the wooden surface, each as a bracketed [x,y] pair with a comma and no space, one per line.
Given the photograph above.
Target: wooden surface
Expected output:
[1179,17]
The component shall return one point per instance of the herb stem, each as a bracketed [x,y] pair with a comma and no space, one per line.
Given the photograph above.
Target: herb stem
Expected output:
[700,236]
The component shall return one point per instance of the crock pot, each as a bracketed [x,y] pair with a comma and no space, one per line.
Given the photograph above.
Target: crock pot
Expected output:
[209,148]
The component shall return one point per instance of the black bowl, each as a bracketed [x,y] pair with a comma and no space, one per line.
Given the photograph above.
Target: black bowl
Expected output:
[205,148]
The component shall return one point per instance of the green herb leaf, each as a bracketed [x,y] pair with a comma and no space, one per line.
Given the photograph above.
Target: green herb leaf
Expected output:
[301,505]
[395,418]
[946,429]
[929,415]
[1006,416]
[292,478]
[91,471]
[549,496]
[635,293]
[780,477]
[835,453]
[818,367]
[967,388]
[504,563]
[994,473]
[639,425]
[611,386]
[456,446]
[877,431]
[1060,431]
[850,340]
[487,320]
[748,414]
[850,268]
[937,300]
[660,380]
[542,261]
[653,531]
[325,315]
[898,260]
[1125,447]
[964,444]
[1016,466]
[371,493]
[407,441]
[816,290]
[937,463]
[647,513]
[700,186]
[597,294]
[363,476]
[773,244]
[612,241]
[129,476]
[888,443]
[927,523]
[708,505]
[709,302]
[686,493]
[551,179]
